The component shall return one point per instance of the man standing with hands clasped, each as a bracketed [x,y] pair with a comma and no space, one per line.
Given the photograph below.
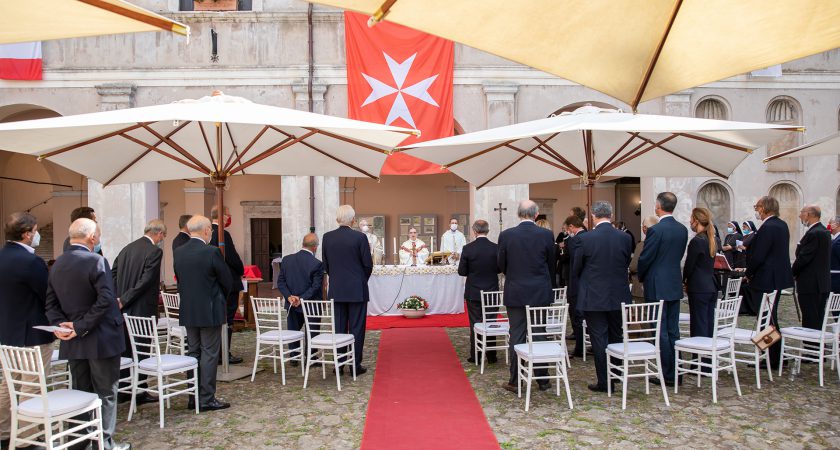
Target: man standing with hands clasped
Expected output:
[812,268]
[301,278]
[479,262]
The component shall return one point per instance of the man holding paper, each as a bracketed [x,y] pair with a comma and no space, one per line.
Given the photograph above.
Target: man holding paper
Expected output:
[23,290]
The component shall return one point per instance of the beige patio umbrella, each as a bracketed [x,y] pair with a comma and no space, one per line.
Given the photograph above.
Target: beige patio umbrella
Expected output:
[591,143]
[41,20]
[829,145]
[632,50]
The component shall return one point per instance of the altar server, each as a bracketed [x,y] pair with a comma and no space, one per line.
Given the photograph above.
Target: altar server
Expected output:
[375,244]
[453,241]
[413,252]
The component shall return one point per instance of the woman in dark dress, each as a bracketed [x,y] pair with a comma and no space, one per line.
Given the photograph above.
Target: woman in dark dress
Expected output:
[698,274]
[730,245]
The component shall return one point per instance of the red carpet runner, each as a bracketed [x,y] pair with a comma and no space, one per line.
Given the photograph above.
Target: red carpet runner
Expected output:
[421,398]
[433,320]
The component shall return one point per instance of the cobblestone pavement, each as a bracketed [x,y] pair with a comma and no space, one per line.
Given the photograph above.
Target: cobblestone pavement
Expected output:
[787,413]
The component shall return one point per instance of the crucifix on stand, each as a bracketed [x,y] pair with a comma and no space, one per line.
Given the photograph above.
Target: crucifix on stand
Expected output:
[500,209]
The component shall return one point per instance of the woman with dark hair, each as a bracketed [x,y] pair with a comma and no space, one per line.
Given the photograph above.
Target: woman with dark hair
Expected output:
[730,245]
[698,274]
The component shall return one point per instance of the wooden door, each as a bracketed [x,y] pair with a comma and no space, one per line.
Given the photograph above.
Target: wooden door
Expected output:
[259,246]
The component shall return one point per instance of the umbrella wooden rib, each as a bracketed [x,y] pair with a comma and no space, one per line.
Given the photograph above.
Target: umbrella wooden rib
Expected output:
[146,152]
[163,153]
[338,160]
[530,154]
[348,140]
[247,148]
[89,141]
[693,162]
[150,20]
[469,157]
[557,154]
[649,70]
[207,143]
[271,151]
[716,142]
[620,149]
[178,149]
[631,156]
[235,151]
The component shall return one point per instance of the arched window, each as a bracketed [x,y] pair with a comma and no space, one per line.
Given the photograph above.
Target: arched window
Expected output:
[789,204]
[715,197]
[784,111]
[711,108]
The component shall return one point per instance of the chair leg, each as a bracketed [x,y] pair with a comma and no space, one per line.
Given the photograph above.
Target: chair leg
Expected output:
[566,385]
[676,372]
[256,360]
[735,372]
[309,357]
[661,379]
[714,378]
[101,435]
[822,352]
[133,406]
[160,399]
[484,351]
[475,347]
[353,359]
[624,380]
[757,368]
[335,361]
[782,356]
[528,386]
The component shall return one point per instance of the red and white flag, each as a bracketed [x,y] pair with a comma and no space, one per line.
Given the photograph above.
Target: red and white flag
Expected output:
[20,61]
[402,77]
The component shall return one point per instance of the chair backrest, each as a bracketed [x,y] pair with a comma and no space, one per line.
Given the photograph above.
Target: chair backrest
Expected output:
[171,305]
[733,288]
[560,296]
[548,321]
[21,363]
[831,321]
[318,317]
[493,307]
[268,313]
[765,311]
[726,318]
[142,333]
[641,323]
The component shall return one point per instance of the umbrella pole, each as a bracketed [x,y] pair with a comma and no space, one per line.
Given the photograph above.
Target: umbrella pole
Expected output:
[589,185]
[219,182]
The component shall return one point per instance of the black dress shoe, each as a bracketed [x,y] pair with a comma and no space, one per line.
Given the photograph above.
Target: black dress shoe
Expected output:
[510,388]
[577,354]
[544,386]
[471,360]
[214,405]
[595,387]
[145,398]
[492,359]
[234,359]
[361,370]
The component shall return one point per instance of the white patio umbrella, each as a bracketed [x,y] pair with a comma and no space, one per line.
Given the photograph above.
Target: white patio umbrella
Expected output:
[591,142]
[41,20]
[217,137]
[829,145]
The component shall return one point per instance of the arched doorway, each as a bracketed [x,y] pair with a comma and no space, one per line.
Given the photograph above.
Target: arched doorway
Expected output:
[715,197]
[790,201]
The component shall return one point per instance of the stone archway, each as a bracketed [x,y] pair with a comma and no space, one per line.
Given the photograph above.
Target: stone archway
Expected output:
[790,201]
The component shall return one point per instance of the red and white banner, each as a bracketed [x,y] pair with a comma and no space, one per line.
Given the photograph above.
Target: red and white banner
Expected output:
[402,77]
[20,61]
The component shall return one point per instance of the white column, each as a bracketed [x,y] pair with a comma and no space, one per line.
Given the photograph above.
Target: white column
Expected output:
[121,210]
[294,190]
[500,111]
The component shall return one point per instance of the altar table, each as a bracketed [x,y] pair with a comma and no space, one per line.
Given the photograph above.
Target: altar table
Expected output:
[441,286]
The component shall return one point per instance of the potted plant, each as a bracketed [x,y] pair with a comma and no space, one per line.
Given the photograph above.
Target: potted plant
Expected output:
[413,307]
[215,5]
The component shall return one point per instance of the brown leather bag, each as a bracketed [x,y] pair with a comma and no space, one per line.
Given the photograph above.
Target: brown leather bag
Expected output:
[766,337]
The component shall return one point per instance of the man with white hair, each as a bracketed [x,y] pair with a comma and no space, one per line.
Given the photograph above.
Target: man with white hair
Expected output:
[348,264]
[136,274]
[373,242]
[80,297]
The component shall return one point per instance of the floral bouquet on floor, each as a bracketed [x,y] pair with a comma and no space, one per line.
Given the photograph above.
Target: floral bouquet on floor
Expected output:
[413,307]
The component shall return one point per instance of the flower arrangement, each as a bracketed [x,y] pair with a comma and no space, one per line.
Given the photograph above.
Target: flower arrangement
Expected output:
[414,302]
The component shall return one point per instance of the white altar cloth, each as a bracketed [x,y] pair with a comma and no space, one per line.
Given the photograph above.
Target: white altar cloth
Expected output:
[441,286]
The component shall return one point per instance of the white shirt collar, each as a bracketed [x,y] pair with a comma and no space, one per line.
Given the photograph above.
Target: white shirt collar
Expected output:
[307,250]
[835,236]
[27,247]
[664,216]
[184,232]
[196,237]
[604,222]
[81,246]
[812,225]
[485,237]
[150,240]
[526,220]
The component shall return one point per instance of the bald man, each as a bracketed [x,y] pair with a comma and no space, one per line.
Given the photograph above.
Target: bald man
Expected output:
[301,278]
[812,268]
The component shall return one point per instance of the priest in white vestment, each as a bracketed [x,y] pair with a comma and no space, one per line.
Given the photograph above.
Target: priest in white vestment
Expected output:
[453,241]
[375,244]
[413,252]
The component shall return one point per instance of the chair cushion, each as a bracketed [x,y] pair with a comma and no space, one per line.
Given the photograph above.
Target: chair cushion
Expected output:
[492,329]
[327,339]
[703,343]
[805,333]
[126,363]
[633,349]
[685,317]
[168,363]
[61,401]
[742,335]
[276,335]
[542,352]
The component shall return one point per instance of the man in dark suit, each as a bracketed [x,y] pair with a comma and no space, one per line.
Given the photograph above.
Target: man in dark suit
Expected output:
[348,263]
[480,264]
[659,270]
[601,265]
[82,212]
[203,284]
[812,268]
[136,274]
[574,226]
[835,254]
[768,261]
[301,278]
[237,270]
[184,234]
[80,297]
[526,257]
[23,291]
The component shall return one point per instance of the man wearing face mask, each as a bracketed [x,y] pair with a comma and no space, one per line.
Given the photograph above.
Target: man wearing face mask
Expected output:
[453,241]
[375,245]
[811,269]
[136,273]
[23,290]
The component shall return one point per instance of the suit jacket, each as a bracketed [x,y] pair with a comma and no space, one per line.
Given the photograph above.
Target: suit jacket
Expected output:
[67,246]
[182,238]
[348,262]
[204,283]
[480,264]
[659,263]
[232,259]
[136,274]
[526,257]
[23,294]
[572,280]
[699,271]
[601,265]
[812,267]
[301,274]
[835,265]
[768,257]
[81,290]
